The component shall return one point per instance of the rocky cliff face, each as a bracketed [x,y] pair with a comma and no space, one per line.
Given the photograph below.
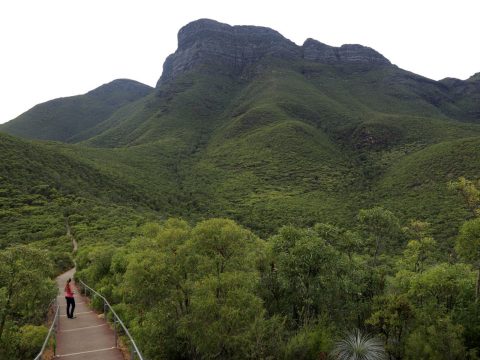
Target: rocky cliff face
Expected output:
[314,50]
[232,48]
[229,47]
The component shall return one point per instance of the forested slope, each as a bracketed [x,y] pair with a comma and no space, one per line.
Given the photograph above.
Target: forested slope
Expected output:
[67,119]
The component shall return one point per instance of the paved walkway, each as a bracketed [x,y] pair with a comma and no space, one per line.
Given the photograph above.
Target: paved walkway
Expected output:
[88,336]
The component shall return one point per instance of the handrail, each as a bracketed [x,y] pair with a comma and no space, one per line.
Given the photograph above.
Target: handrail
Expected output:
[53,327]
[116,318]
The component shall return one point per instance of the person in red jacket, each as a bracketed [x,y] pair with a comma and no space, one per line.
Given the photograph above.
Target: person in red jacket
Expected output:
[70,299]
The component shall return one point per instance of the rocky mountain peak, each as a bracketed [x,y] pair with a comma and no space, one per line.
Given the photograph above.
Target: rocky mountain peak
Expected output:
[230,48]
[314,50]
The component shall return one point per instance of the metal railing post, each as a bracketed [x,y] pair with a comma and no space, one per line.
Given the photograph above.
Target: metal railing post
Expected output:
[57,320]
[55,341]
[132,354]
[115,330]
[52,332]
[55,326]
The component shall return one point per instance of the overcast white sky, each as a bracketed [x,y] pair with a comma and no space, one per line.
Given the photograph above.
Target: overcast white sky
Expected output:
[54,48]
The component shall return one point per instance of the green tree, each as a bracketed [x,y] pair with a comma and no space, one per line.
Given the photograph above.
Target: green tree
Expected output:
[382,233]
[30,340]
[470,192]
[346,241]
[417,229]
[440,289]
[197,291]
[393,316]
[468,247]
[311,342]
[224,303]
[382,229]
[93,263]
[25,287]
[157,282]
[415,302]
[307,277]
[437,340]
[418,254]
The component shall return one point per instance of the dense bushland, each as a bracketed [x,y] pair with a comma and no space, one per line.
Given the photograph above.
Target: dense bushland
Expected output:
[215,290]
[26,291]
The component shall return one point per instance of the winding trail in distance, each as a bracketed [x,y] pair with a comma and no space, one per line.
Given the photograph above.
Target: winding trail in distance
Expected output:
[71,237]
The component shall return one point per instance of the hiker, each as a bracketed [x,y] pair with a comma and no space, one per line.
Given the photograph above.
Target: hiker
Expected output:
[70,299]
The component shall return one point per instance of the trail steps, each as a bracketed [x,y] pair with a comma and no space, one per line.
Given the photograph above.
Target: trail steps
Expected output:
[88,336]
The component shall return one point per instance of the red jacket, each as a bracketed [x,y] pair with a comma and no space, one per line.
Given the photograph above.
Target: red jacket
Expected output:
[68,291]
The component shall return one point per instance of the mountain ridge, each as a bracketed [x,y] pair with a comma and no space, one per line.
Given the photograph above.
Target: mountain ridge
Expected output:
[238,46]
[268,136]
[242,52]
[64,118]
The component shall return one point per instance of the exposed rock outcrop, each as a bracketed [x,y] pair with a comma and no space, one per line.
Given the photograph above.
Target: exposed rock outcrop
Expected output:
[314,50]
[231,49]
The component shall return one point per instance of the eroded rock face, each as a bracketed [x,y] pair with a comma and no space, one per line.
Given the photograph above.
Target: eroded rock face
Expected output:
[314,50]
[231,49]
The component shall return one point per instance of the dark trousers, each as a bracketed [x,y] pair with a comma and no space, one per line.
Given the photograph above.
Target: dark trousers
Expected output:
[70,306]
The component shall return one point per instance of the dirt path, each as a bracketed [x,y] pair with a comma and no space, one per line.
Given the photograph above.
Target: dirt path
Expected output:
[71,237]
[88,336]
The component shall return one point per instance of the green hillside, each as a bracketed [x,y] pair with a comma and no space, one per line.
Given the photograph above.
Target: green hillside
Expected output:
[279,147]
[67,119]
[286,138]
[42,192]
[415,186]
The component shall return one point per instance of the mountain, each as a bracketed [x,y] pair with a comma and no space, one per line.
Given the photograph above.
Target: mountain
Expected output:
[465,95]
[70,119]
[243,123]
[246,125]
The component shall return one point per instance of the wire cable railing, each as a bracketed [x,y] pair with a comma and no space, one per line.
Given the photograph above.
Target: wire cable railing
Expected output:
[134,351]
[52,331]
